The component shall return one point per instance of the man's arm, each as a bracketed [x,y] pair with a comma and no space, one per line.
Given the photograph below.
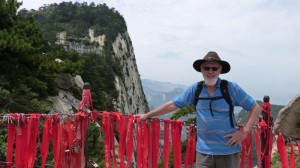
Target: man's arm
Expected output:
[252,118]
[163,109]
[241,134]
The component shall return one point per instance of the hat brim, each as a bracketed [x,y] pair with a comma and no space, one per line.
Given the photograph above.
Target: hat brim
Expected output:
[225,65]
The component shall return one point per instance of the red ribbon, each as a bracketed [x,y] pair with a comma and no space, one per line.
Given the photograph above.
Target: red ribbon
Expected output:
[298,144]
[122,129]
[20,138]
[86,101]
[57,135]
[263,131]
[145,136]
[190,148]
[46,140]
[139,144]
[176,142]
[155,126]
[150,144]
[266,106]
[10,144]
[94,115]
[269,144]
[247,150]
[282,151]
[32,139]
[129,146]
[193,150]
[258,146]
[81,124]
[142,144]
[113,144]
[292,156]
[263,126]
[68,137]
[107,127]
[166,149]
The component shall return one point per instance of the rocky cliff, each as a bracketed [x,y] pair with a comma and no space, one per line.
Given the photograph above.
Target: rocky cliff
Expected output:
[288,119]
[66,102]
[131,99]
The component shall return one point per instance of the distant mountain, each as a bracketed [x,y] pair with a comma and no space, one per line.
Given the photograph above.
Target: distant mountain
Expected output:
[160,86]
[157,92]
[241,117]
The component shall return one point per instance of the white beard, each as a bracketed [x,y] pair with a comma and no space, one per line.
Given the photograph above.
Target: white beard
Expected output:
[210,82]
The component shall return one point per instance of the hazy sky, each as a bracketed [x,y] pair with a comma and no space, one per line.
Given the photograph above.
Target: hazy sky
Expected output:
[259,38]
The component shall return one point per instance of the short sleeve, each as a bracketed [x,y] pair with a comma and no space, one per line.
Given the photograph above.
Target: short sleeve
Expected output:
[240,97]
[186,98]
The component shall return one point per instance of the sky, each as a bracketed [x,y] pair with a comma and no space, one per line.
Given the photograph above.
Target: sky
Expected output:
[259,38]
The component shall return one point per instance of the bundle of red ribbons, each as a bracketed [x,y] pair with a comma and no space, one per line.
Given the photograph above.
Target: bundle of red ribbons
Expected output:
[68,135]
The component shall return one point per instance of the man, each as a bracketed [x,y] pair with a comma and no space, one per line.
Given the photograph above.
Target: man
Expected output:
[218,142]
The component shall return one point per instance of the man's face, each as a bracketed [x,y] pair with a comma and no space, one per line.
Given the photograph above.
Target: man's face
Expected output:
[211,71]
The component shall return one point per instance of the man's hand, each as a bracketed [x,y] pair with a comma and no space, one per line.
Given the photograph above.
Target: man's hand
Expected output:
[163,109]
[142,117]
[242,133]
[236,138]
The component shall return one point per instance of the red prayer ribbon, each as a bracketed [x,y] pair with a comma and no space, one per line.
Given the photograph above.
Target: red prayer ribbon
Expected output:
[292,156]
[10,144]
[108,129]
[129,146]
[176,142]
[191,148]
[142,144]
[258,146]
[298,144]
[56,137]
[32,139]
[155,126]
[247,151]
[166,149]
[86,101]
[47,131]
[282,151]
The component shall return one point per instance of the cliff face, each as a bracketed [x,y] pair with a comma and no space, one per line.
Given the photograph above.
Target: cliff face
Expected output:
[131,99]
[65,102]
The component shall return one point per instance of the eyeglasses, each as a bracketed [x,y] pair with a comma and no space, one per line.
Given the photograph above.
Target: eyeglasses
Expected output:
[207,68]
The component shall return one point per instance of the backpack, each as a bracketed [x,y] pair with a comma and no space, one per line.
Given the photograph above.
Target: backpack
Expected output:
[225,95]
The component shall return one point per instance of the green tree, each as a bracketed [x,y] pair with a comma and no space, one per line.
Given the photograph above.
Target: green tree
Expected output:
[27,62]
[99,73]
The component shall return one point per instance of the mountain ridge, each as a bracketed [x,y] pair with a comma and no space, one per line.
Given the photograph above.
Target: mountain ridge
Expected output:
[158,92]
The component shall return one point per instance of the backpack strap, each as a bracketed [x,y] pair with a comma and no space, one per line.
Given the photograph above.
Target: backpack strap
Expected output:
[197,92]
[225,93]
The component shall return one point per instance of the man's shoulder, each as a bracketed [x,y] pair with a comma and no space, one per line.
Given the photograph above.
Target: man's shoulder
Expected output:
[232,84]
[192,87]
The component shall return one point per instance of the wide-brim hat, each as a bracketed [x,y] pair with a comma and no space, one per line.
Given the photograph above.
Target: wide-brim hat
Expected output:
[212,56]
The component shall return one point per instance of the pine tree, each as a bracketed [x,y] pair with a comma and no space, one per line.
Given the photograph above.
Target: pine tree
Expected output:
[27,63]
